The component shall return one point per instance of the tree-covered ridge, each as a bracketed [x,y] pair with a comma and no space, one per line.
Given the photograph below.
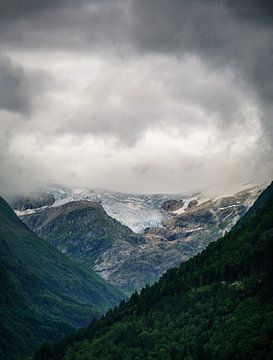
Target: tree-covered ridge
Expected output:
[217,305]
[81,229]
[44,295]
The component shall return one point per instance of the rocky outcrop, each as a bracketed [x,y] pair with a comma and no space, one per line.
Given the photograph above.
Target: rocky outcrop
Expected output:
[34,201]
[192,204]
[81,229]
[172,205]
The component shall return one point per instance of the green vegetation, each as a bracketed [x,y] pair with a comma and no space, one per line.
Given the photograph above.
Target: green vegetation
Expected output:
[84,232]
[44,295]
[81,229]
[217,305]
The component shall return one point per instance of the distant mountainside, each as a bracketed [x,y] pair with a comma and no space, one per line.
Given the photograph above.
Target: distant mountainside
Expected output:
[217,305]
[44,295]
[137,211]
[83,229]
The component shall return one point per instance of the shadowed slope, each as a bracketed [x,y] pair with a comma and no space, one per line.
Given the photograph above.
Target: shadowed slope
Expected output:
[44,295]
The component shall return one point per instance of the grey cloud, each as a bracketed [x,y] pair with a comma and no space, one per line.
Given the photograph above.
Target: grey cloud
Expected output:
[230,33]
[233,34]
[142,168]
[229,36]
[225,34]
[20,87]
[19,90]
[14,9]
[154,93]
[259,11]
[14,87]
[85,24]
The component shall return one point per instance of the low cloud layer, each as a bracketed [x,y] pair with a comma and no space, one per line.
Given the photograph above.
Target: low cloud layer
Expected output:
[134,95]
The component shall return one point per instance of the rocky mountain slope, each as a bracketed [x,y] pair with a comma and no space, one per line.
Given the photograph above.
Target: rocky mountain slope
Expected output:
[180,237]
[217,305]
[137,211]
[80,229]
[44,295]
[83,230]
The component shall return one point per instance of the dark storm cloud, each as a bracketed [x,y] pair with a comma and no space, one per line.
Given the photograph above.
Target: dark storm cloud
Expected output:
[235,34]
[66,24]
[225,32]
[14,87]
[16,9]
[253,10]
[19,87]
[218,30]
[154,25]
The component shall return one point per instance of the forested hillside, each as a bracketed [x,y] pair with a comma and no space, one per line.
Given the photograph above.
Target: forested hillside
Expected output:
[81,229]
[217,305]
[44,295]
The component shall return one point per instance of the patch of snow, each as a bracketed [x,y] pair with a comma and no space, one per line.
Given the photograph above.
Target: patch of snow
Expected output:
[229,207]
[29,211]
[193,230]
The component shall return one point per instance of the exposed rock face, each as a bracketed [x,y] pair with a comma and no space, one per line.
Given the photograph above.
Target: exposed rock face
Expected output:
[33,202]
[84,231]
[181,237]
[172,205]
[192,204]
[81,229]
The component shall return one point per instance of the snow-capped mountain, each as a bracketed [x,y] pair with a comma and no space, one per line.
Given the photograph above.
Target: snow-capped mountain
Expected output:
[137,211]
[89,226]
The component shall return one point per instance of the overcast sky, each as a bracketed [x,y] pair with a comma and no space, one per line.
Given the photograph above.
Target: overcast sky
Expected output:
[135,95]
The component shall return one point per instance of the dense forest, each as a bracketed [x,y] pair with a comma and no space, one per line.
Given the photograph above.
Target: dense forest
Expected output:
[217,305]
[44,295]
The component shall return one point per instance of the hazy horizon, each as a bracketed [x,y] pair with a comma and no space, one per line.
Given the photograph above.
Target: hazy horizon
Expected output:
[210,192]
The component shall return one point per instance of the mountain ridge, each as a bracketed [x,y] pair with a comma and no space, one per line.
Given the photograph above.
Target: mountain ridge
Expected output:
[137,211]
[87,233]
